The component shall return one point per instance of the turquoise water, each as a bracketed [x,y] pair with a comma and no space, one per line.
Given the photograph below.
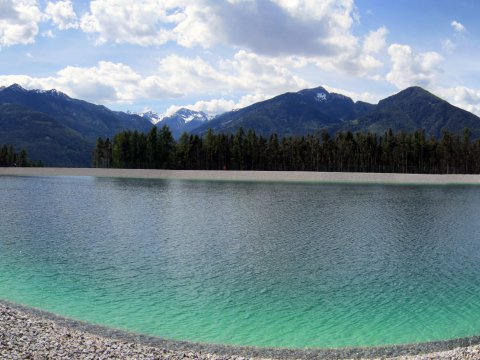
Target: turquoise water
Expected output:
[265,264]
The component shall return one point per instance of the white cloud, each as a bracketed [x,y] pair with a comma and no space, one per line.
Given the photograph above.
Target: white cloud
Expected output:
[461,96]
[360,58]
[286,27]
[62,14]
[215,106]
[458,27]
[246,72]
[48,34]
[106,82]
[355,96]
[219,106]
[410,69]
[19,21]
[317,31]
[176,77]
[375,40]
[271,27]
[143,22]
[459,33]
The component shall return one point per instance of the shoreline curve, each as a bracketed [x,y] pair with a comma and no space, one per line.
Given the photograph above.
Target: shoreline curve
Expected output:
[265,176]
[447,349]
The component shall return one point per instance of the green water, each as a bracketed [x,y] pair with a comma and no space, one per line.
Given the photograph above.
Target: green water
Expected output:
[278,265]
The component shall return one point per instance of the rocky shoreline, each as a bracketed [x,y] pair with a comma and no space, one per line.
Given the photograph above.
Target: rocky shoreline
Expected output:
[26,335]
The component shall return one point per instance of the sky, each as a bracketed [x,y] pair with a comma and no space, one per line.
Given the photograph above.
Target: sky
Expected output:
[219,55]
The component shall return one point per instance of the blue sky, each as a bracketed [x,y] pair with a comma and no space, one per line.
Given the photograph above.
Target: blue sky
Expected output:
[217,55]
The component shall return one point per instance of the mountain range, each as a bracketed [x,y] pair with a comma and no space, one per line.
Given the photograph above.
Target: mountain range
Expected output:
[62,131]
[57,129]
[314,110]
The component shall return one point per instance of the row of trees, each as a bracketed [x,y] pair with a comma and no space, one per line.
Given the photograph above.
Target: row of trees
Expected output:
[346,151]
[8,157]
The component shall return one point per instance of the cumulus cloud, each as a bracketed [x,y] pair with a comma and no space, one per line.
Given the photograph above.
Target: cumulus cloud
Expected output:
[19,22]
[105,82]
[221,105]
[143,22]
[245,72]
[458,27]
[356,96]
[175,77]
[48,34]
[410,69]
[375,40]
[272,27]
[281,27]
[450,44]
[461,96]
[318,32]
[62,14]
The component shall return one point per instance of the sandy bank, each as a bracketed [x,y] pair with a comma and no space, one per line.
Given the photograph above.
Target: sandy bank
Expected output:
[280,176]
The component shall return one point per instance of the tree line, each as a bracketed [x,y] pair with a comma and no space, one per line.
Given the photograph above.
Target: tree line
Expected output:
[345,151]
[9,157]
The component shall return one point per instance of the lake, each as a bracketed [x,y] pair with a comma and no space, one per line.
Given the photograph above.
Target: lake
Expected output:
[246,263]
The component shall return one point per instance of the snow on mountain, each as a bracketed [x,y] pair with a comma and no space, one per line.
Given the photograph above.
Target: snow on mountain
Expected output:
[188,115]
[19,89]
[183,120]
[53,92]
[321,97]
[152,116]
[181,116]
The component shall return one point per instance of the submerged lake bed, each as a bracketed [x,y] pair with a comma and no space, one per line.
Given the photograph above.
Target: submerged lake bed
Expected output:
[245,263]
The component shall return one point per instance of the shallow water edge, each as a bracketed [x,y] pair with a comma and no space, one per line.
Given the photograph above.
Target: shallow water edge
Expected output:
[247,351]
[266,176]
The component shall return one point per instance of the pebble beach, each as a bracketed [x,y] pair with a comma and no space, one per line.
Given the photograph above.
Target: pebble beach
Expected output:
[26,335]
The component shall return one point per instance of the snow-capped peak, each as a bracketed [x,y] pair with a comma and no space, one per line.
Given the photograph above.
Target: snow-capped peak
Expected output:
[184,115]
[152,116]
[188,115]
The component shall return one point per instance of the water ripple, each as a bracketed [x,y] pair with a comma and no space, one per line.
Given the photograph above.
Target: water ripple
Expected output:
[292,265]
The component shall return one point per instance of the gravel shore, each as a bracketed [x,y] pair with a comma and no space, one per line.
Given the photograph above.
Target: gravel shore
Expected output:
[24,335]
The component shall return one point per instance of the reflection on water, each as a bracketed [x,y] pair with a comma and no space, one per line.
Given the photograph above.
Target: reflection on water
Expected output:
[291,265]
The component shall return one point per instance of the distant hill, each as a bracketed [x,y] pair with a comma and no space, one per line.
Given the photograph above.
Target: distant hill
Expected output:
[415,108]
[314,110]
[82,121]
[297,113]
[43,137]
